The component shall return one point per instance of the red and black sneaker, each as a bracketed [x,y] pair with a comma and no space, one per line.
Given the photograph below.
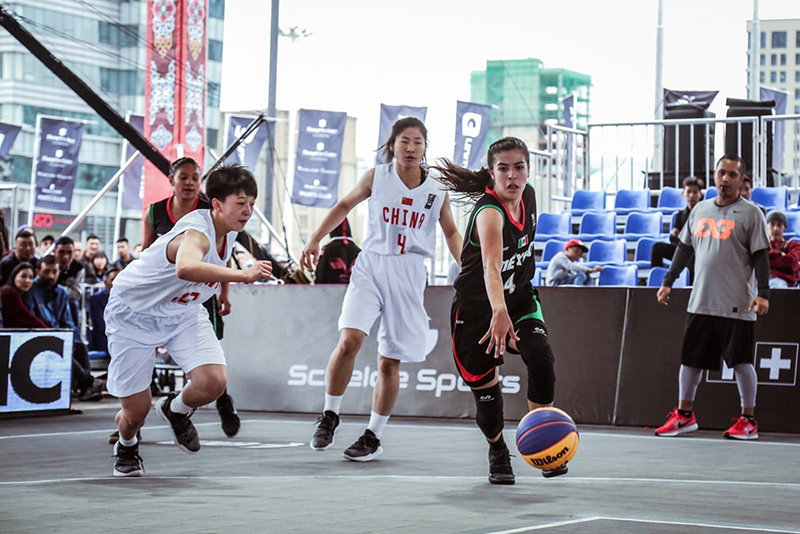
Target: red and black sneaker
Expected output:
[677,424]
[742,428]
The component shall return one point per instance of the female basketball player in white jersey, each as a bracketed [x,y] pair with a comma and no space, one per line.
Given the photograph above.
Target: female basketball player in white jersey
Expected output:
[388,278]
[157,301]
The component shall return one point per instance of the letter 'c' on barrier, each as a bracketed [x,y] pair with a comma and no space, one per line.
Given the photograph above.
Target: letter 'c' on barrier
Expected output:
[20,369]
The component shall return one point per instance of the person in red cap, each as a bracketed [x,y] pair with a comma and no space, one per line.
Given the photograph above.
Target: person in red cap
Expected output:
[565,269]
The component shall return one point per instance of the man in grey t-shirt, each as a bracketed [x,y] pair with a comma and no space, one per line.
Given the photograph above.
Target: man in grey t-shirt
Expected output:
[728,237]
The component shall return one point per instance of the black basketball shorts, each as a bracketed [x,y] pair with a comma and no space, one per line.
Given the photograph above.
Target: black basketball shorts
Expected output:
[708,339]
[469,322]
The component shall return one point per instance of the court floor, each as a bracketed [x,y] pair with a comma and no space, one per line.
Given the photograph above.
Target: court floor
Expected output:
[55,476]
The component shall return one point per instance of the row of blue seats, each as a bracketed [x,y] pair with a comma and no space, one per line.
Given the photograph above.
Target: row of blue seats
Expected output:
[606,252]
[603,225]
[670,200]
[625,275]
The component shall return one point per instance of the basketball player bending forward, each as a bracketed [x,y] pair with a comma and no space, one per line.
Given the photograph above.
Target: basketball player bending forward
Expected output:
[388,279]
[157,301]
[495,306]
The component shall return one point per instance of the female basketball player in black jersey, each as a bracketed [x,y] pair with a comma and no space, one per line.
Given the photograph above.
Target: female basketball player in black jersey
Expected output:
[184,175]
[495,306]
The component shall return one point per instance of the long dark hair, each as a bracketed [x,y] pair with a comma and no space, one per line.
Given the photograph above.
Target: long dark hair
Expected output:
[473,184]
[180,162]
[399,127]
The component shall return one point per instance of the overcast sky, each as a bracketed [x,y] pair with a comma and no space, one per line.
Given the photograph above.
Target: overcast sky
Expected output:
[420,52]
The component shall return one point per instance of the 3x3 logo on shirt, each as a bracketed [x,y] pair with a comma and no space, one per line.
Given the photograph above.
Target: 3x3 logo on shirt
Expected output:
[708,227]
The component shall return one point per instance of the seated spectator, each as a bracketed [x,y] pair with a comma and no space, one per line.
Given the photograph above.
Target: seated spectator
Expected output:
[24,251]
[17,314]
[45,244]
[124,253]
[783,255]
[92,247]
[96,268]
[565,269]
[50,303]
[96,307]
[746,191]
[71,272]
[78,251]
[137,250]
[337,257]
[693,193]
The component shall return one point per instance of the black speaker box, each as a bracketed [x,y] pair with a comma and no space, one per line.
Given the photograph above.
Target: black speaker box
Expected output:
[681,134]
[733,132]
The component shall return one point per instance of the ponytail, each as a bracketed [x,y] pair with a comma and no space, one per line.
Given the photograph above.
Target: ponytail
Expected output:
[473,184]
[470,184]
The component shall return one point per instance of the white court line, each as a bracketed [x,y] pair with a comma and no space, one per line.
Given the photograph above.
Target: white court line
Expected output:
[462,428]
[547,525]
[702,525]
[418,478]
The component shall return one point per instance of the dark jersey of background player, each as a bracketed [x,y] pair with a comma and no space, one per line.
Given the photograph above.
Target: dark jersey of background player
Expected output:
[337,257]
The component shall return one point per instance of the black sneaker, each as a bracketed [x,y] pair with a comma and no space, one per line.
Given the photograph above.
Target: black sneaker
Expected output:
[114,437]
[93,392]
[128,463]
[560,470]
[500,471]
[366,448]
[228,416]
[183,432]
[323,436]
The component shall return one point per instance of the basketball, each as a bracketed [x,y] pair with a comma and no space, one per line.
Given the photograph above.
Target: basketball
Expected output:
[547,438]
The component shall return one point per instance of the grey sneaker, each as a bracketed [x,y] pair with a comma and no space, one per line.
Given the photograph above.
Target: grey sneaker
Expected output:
[323,436]
[94,392]
[366,448]
[183,432]
[127,461]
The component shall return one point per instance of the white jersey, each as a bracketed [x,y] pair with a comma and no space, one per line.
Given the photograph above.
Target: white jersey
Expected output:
[402,220]
[151,286]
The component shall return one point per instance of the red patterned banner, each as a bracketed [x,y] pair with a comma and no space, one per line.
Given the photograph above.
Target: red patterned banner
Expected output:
[174,86]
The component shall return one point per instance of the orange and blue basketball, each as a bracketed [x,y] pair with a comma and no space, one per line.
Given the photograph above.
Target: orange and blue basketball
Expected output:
[547,438]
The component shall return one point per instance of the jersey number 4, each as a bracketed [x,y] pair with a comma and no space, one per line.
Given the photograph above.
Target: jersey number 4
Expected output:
[401,242]
[186,298]
[510,286]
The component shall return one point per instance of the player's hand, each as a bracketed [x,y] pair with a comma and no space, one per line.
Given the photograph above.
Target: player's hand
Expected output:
[223,304]
[663,295]
[308,261]
[260,270]
[500,328]
[759,305]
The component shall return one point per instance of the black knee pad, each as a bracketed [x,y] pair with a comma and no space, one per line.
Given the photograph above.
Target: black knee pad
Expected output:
[490,410]
[541,374]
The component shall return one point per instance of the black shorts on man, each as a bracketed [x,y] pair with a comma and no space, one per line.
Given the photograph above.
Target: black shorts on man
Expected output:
[708,339]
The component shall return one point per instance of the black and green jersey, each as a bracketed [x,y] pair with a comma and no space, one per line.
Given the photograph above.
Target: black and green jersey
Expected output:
[519,263]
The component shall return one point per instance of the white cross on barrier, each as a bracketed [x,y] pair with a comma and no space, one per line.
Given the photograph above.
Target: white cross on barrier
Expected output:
[775,363]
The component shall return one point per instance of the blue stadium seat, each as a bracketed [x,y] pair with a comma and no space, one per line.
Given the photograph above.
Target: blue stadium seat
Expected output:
[552,225]
[597,225]
[670,200]
[644,252]
[771,198]
[657,275]
[618,275]
[536,281]
[793,229]
[583,201]
[642,225]
[710,193]
[628,201]
[551,248]
[607,252]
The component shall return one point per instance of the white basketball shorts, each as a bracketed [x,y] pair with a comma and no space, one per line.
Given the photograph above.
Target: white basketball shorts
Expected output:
[392,288]
[133,338]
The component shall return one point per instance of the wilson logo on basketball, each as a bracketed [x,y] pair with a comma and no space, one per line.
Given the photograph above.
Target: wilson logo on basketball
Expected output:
[550,459]
[720,229]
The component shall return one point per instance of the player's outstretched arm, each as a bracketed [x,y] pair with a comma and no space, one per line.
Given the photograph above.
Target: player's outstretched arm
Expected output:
[360,192]
[490,235]
[187,251]
[451,234]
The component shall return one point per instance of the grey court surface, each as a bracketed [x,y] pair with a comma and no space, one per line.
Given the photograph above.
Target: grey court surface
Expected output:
[55,476]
